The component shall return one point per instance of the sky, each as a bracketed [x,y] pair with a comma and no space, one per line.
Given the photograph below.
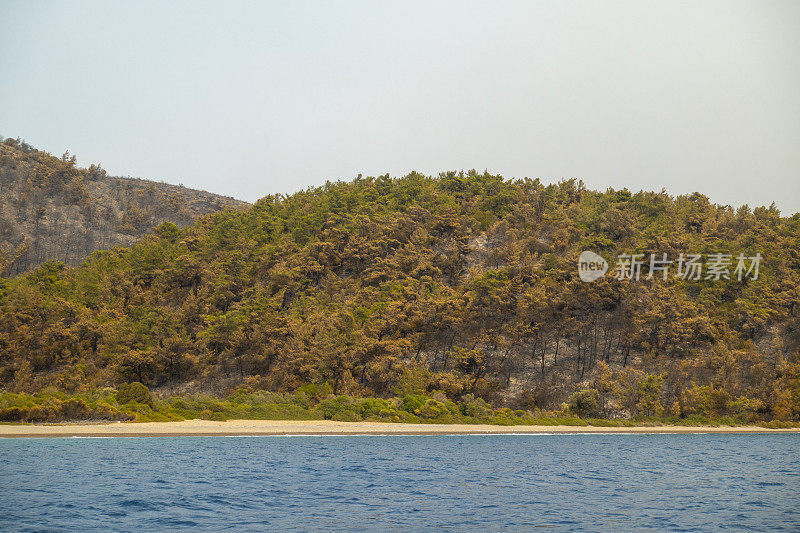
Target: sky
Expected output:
[254,98]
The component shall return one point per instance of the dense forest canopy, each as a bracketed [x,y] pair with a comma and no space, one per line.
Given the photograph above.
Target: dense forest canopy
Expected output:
[52,210]
[465,283]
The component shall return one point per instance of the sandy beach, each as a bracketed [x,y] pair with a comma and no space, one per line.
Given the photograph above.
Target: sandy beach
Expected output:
[328,427]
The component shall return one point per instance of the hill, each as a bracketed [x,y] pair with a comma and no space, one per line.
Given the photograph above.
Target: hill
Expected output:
[52,210]
[456,285]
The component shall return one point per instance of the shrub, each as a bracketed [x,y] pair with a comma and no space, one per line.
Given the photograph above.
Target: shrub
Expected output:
[412,402]
[13,414]
[134,392]
[332,407]
[390,414]
[431,409]
[506,412]
[300,399]
[44,413]
[373,407]
[346,416]
[104,411]
[746,407]
[706,400]
[475,407]
[315,393]
[74,409]
[584,403]
[649,391]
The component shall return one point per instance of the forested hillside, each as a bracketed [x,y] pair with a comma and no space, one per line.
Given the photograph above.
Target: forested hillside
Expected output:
[454,285]
[52,210]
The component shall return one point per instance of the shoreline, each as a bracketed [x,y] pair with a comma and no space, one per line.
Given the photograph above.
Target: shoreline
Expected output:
[236,428]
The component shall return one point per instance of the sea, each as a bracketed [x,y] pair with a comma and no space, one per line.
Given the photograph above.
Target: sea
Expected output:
[576,482]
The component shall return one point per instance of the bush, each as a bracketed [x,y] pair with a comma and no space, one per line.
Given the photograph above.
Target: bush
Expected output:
[44,413]
[74,409]
[431,409]
[373,407]
[336,406]
[706,401]
[13,414]
[746,408]
[315,393]
[475,407]
[104,411]
[346,416]
[412,402]
[649,391]
[300,399]
[391,414]
[584,403]
[134,392]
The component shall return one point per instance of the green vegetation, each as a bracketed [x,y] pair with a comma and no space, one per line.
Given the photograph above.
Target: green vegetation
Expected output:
[405,297]
[134,392]
[245,404]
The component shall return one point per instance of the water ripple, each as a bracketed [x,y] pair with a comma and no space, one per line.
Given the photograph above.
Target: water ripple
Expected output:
[589,482]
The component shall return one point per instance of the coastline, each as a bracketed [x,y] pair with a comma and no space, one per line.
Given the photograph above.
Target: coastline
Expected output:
[206,428]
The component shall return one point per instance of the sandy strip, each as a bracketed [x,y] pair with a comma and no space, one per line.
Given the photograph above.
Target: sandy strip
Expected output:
[328,427]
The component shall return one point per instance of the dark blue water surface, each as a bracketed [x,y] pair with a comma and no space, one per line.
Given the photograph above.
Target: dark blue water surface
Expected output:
[469,482]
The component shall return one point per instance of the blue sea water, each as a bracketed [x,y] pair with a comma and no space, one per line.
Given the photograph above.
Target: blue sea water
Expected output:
[702,482]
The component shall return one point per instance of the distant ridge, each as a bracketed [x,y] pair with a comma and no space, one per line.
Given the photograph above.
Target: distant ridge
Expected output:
[52,210]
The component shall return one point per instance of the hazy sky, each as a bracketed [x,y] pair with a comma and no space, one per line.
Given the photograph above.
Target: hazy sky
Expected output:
[248,99]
